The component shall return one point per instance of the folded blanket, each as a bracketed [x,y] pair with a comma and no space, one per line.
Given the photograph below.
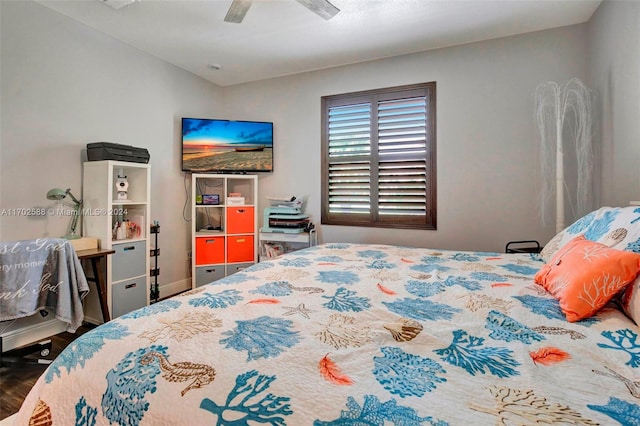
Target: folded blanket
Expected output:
[39,274]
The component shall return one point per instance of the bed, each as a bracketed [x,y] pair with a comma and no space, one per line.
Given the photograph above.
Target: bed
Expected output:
[354,334]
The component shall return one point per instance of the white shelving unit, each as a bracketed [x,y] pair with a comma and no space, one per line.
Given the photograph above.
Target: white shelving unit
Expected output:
[224,230]
[287,241]
[128,280]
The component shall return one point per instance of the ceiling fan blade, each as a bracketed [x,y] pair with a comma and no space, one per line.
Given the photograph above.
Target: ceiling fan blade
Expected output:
[118,4]
[322,8]
[237,10]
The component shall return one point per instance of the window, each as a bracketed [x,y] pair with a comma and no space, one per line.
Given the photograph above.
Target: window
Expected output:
[379,160]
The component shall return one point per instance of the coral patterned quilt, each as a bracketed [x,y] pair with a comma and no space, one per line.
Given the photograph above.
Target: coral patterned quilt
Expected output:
[347,334]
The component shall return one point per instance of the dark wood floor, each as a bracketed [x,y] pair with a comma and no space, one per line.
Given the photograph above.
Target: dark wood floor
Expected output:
[17,379]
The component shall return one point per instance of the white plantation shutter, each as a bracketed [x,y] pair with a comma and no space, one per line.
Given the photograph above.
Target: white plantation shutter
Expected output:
[379,158]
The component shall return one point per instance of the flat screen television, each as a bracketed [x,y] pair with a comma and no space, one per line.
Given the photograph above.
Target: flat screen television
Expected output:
[226,146]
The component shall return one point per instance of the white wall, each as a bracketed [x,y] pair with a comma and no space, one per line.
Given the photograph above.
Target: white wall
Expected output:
[614,71]
[64,85]
[486,149]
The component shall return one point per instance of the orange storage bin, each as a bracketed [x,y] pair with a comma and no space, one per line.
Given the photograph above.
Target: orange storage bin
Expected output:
[240,249]
[209,250]
[240,220]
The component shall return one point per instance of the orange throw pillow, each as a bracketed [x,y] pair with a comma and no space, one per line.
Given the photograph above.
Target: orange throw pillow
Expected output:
[584,275]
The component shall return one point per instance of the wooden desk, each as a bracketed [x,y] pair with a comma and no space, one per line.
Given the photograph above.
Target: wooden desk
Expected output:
[96,256]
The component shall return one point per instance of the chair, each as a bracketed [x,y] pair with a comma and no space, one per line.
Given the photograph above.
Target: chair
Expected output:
[33,263]
[524,246]
[20,355]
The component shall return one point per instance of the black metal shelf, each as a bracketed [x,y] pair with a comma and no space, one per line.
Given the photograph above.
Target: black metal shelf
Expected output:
[154,295]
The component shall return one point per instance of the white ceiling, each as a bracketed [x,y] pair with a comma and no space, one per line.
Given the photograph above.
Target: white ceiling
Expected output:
[281,37]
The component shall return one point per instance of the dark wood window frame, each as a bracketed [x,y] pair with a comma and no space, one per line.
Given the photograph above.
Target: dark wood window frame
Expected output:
[379,158]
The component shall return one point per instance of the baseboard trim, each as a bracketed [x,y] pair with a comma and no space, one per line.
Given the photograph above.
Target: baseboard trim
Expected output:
[174,288]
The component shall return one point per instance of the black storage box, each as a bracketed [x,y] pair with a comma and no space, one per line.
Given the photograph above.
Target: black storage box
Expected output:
[97,151]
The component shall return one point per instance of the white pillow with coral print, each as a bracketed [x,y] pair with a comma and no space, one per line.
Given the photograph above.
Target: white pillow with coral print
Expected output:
[630,301]
[615,227]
